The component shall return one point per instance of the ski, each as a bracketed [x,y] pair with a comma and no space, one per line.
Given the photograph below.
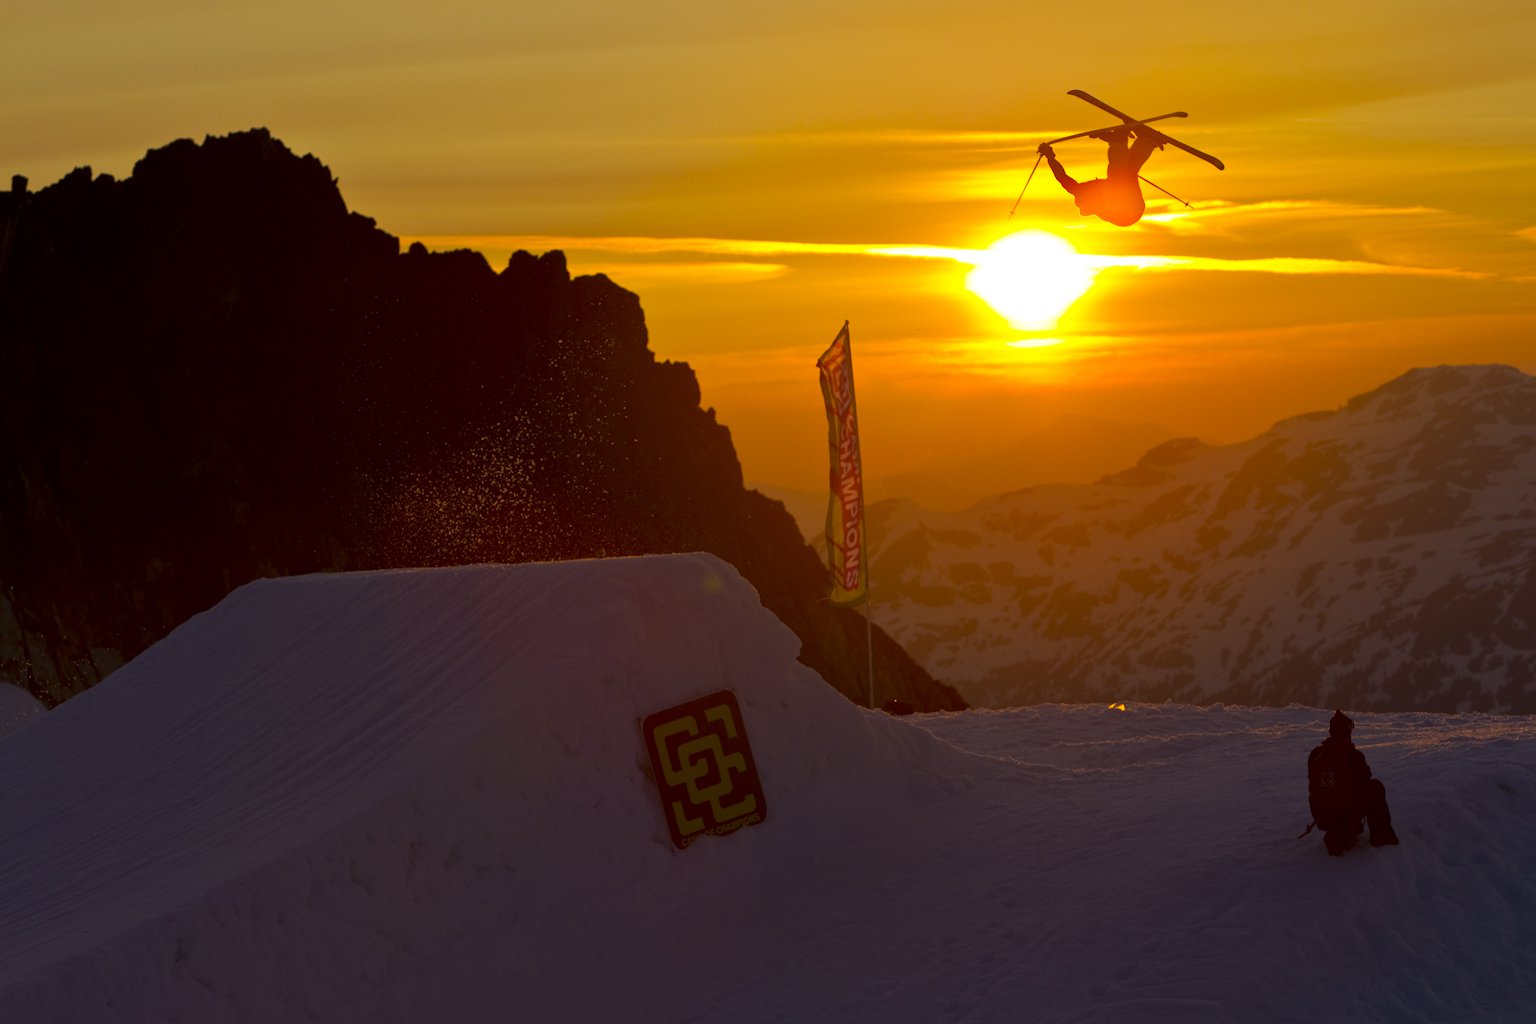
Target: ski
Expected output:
[1128,119]
[1145,120]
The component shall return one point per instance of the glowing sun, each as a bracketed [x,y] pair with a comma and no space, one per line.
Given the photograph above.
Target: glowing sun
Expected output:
[1030,278]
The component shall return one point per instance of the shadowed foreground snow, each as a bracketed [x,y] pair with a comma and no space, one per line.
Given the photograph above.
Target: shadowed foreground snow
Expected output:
[423,796]
[17,707]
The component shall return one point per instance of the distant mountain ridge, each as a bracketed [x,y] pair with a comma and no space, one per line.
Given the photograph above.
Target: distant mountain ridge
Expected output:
[213,371]
[1070,449]
[1381,556]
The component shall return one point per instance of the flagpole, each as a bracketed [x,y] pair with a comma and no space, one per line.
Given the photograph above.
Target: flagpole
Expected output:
[869,606]
[869,591]
[869,636]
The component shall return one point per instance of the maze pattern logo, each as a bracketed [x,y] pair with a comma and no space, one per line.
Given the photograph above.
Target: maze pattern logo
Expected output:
[704,769]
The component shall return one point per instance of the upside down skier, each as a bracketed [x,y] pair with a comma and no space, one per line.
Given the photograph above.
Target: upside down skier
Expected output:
[1116,197]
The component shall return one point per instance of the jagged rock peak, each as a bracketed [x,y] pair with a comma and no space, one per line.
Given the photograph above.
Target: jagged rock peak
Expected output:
[551,264]
[1154,466]
[250,188]
[1436,382]
[212,372]
[1173,452]
[241,157]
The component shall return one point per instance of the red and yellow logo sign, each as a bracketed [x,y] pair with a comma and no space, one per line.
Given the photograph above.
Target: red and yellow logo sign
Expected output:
[704,768]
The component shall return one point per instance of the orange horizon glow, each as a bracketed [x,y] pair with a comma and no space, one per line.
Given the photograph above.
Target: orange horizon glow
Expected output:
[759,179]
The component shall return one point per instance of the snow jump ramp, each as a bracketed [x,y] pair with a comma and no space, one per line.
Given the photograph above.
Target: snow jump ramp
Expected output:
[419,795]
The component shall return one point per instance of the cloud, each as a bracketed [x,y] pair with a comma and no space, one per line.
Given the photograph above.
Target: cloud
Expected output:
[641,245]
[636,245]
[1262,265]
[1217,215]
[1009,140]
[692,272]
[1288,265]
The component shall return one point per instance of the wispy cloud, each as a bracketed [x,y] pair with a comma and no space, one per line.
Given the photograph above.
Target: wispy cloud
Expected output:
[636,273]
[1263,265]
[1218,216]
[648,246]
[638,245]
[1221,207]
[914,136]
[1290,265]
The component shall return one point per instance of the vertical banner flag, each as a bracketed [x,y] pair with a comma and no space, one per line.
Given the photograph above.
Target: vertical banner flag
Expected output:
[846,548]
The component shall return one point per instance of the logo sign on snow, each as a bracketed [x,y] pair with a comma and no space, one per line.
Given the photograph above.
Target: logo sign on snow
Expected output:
[704,768]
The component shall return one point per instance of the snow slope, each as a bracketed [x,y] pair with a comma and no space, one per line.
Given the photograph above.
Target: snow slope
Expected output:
[17,707]
[422,796]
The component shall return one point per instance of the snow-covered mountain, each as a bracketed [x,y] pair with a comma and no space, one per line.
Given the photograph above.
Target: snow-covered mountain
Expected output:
[1382,555]
[417,796]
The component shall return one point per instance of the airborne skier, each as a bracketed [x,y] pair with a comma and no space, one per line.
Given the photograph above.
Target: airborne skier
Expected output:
[1116,197]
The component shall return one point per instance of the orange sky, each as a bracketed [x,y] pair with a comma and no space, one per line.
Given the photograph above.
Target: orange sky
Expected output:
[760,175]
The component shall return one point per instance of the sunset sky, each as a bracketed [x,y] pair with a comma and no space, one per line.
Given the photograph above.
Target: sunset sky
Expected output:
[760,173]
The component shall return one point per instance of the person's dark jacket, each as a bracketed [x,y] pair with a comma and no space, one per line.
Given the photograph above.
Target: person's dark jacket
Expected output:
[1333,810]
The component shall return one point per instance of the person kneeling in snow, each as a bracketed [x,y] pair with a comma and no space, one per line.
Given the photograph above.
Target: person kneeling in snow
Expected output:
[1341,791]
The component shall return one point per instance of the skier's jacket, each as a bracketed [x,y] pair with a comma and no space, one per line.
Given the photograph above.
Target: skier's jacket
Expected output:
[1337,774]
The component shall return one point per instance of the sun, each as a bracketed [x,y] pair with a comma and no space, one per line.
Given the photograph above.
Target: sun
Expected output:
[1031,278]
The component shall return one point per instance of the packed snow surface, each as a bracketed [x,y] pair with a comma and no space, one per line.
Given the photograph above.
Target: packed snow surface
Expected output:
[17,707]
[424,796]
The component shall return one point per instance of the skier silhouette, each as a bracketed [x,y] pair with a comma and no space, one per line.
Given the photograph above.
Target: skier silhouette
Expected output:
[1116,197]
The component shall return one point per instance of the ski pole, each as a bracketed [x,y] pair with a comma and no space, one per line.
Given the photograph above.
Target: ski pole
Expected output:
[1153,184]
[1027,180]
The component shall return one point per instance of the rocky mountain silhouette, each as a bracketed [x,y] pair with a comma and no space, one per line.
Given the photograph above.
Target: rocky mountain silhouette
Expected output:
[213,371]
[1381,556]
